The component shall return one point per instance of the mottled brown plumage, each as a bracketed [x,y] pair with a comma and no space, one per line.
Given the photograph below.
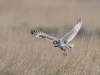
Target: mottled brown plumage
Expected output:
[39,34]
[62,43]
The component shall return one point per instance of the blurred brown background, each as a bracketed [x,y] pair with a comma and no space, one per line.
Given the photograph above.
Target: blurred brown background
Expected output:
[49,12]
[23,54]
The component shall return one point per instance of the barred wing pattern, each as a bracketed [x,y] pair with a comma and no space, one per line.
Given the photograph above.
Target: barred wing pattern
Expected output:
[71,34]
[39,34]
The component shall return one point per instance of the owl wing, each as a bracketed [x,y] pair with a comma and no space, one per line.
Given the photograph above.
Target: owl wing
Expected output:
[71,34]
[40,34]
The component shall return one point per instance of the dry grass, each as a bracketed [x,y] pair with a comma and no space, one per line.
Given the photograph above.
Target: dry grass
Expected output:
[23,54]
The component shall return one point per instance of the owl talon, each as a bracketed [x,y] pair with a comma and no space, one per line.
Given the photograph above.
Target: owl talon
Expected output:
[65,54]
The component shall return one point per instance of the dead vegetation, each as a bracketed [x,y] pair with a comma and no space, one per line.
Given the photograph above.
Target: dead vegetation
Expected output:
[23,54]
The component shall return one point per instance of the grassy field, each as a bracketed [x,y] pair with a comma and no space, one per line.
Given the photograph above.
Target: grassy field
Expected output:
[23,54]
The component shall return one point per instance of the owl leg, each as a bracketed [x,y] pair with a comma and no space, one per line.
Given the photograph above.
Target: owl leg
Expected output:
[65,54]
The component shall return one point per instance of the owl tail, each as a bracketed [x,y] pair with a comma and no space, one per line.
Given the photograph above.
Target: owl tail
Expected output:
[71,45]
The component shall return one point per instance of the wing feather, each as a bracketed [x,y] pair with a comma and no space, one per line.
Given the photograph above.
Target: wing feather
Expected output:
[71,34]
[39,34]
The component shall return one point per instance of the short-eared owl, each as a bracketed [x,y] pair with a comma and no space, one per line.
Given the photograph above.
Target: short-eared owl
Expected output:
[63,42]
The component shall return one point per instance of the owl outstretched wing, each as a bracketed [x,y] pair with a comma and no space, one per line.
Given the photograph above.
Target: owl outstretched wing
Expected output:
[40,34]
[71,34]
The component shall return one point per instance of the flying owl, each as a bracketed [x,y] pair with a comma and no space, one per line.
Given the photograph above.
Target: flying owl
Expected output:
[62,43]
